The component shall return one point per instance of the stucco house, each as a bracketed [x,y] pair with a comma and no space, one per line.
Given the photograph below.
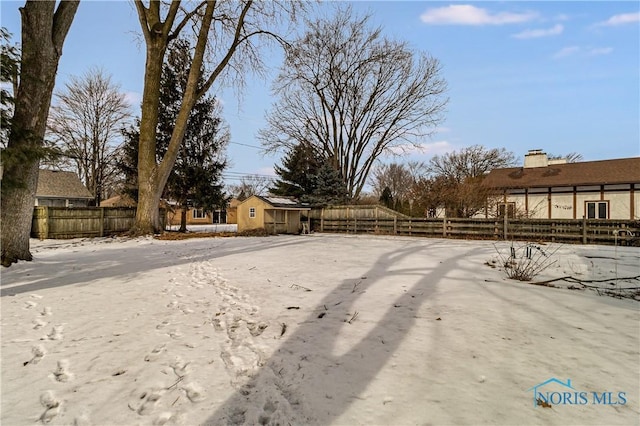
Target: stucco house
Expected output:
[195,216]
[276,215]
[61,189]
[555,189]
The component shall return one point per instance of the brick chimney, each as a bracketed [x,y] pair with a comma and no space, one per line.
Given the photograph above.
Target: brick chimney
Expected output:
[535,158]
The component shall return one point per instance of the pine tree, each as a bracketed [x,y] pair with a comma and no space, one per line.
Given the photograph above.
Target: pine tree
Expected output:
[305,175]
[195,180]
[298,172]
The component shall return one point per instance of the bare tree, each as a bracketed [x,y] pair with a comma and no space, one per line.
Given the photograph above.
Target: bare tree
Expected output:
[250,185]
[398,177]
[457,178]
[354,94]
[572,157]
[226,35]
[85,123]
[45,25]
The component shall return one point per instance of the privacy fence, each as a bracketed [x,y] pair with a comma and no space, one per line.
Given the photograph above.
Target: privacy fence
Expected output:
[77,222]
[580,231]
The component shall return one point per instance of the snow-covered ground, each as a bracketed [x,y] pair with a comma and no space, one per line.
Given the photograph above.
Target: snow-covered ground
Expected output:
[313,329]
[212,227]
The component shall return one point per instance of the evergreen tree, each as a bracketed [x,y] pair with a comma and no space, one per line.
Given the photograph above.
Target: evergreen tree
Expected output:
[195,181]
[329,187]
[387,197]
[298,172]
[305,175]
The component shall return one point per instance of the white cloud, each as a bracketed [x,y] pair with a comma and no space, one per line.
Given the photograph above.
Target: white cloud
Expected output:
[596,51]
[133,98]
[574,50]
[527,34]
[465,14]
[622,19]
[566,51]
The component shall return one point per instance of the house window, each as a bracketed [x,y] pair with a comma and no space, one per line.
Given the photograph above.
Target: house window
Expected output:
[507,208]
[252,212]
[597,209]
[199,214]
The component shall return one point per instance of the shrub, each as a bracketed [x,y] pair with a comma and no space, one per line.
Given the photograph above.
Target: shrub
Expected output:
[526,261]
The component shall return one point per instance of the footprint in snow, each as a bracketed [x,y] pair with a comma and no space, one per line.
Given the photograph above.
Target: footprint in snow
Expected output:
[146,401]
[51,405]
[38,323]
[62,373]
[55,334]
[179,367]
[194,392]
[155,353]
[256,329]
[268,410]
[38,353]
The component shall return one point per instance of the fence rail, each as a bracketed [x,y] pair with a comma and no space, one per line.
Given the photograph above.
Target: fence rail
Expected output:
[78,222]
[558,230]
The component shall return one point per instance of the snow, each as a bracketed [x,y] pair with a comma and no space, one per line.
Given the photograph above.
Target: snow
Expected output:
[212,227]
[313,329]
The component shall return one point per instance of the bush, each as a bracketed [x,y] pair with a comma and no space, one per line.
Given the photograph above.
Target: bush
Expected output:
[525,262]
[258,232]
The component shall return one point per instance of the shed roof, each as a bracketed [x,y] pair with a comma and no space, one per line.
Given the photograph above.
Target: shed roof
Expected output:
[282,202]
[623,170]
[60,184]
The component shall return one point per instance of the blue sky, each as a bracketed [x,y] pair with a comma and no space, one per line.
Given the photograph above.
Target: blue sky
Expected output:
[558,76]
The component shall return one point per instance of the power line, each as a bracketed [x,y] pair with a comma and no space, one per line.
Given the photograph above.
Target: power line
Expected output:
[250,146]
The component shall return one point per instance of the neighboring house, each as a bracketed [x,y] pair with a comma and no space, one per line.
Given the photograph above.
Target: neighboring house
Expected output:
[194,216]
[232,210]
[61,189]
[118,201]
[276,215]
[554,189]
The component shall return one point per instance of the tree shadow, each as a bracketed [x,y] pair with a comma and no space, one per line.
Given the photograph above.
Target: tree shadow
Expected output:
[127,263]
[345,351]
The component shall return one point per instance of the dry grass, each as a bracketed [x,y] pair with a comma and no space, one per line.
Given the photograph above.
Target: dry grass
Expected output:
[172,235]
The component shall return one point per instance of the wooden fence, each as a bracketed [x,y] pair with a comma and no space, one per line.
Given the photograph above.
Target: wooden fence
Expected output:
[77,222]
[556,230]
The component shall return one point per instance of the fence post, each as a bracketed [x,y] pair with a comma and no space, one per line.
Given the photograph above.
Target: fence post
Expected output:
[444,226]
[322,220]
[506,224]
[409,226]
[376,213]
[395,225]
[102,221]
[355,224]
[584,230]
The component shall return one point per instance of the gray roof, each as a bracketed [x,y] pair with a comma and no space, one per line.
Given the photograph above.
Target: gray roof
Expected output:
[58,184]
[283,202]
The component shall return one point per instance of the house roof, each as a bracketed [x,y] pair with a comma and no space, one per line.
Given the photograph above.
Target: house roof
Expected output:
[118,201]
[624,170]
[282,202]
[59,184]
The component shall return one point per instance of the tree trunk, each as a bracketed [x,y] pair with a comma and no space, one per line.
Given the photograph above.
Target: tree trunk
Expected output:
[149,188]
[44,29]
[183,219]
